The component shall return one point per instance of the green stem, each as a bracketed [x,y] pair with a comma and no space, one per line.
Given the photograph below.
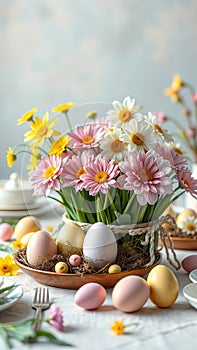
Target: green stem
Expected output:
[68,120]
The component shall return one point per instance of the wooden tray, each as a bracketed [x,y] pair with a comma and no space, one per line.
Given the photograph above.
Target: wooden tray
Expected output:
[181,243]
[74,281]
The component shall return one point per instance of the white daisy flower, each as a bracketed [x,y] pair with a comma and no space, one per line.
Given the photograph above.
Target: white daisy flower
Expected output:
[177,147]
[152,121]
[138,136]
[112,146]
[189,225]
[123,112]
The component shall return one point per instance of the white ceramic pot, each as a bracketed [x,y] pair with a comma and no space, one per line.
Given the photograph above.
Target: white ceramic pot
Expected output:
[191,202]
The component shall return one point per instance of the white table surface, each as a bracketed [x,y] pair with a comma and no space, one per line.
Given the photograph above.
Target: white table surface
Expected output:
[174,327]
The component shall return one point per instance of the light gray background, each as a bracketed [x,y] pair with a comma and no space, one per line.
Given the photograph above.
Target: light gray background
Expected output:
[54,51]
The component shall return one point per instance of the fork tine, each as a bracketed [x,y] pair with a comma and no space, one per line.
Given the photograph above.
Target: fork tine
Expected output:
[35,295]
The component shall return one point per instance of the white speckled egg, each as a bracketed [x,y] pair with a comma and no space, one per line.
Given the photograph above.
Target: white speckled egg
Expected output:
[40,247]
[100,246]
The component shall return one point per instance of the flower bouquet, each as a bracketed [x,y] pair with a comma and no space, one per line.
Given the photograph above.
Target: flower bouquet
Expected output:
[122,170]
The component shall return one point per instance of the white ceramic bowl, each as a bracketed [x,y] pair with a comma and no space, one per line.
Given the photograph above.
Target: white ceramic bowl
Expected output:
[13,193]
[190,294]
[193,276]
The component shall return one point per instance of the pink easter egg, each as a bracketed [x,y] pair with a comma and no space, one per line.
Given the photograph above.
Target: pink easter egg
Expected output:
[6,232]
[90,296]
[189,263]
[75,260]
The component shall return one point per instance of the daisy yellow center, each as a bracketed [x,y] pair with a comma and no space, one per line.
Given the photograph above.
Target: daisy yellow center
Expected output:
[145,175]
[117,146]
[80,172]
[6,268]
[186,182]
[177,150]
[49,172]
[158,128]
[191,227]
[87,140]
[124,115]
[137,139]
[101,177]
[43,131]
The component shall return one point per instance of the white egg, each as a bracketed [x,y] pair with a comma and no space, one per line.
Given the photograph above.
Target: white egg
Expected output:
[100,246]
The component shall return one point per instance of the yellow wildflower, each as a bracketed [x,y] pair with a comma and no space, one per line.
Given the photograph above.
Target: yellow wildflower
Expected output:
[41,130]
[174,94]
[118,327]
[8,267]
[63,107]
[49,228]
[17,245]
[11,157]
[27,116]
[177,83]
[34,158]
[59,146]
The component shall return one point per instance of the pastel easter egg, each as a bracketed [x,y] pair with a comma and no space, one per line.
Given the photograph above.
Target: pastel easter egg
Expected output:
[6,232]
[100,246]
[189,263]
[130,293]
[90,296]
[164,287]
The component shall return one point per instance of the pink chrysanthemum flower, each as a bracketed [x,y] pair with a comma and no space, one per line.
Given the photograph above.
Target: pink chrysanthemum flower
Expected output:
[187,182]
[100,176]
[87,136]
[75,168]
[146,174]
[176,160]
[46,176]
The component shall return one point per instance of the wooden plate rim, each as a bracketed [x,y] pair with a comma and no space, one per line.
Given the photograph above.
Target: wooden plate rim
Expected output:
[74,281]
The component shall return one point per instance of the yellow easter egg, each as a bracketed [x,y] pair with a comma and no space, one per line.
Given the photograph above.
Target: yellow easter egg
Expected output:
[70,238]
[164,287]
[25,225]
[25,239]
[187,212]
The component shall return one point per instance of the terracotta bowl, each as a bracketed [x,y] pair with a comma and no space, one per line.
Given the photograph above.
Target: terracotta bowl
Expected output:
[75,281]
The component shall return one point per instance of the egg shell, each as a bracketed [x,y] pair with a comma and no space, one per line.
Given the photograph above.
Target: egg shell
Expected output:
[70,238]
[41,246]
[189,263]
[90,296]
[25,225]
[130,293]
[25,239]
[187,212]
[100,246]
[164,287]
[6,232]
[75,260]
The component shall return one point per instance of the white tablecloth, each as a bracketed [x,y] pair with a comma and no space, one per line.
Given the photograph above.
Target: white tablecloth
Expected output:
[174,327]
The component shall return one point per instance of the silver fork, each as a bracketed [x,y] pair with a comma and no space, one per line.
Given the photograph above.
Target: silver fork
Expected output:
[40,303]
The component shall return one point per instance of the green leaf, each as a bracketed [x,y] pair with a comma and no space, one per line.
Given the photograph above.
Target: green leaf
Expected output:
[123,219]
[6,247]
[2,290]
[52,338]
[5,337]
